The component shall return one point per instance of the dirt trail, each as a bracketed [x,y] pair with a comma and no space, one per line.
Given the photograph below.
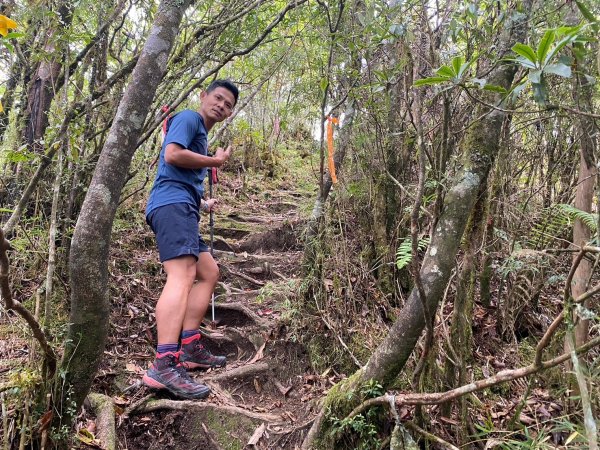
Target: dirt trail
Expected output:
[264,398]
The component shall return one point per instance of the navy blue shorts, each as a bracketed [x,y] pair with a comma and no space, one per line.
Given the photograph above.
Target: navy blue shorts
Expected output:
[176,230]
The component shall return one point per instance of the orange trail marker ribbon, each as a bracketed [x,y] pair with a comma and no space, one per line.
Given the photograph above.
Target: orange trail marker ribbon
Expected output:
[330,122]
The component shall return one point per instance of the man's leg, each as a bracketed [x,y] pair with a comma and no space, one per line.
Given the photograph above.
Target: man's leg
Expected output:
[176,230]
[193,353]
[172,304]
[207,275]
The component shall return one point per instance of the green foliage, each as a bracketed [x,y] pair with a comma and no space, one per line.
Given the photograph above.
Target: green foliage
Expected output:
[361,429]
[532,439]
[589,219]
[556,221]
[404,252]
[541,61]
[553,223]
[588,15]
[454,73]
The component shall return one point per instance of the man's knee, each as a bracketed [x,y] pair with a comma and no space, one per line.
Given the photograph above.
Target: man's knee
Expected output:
[207,269]
[181,270]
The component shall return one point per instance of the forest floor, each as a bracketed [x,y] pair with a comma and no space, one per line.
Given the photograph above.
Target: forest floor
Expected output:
[267,395]
[264,397]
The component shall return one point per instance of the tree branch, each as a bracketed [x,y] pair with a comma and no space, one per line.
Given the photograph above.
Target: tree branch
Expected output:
[293,4]
[6,294]
[503,376]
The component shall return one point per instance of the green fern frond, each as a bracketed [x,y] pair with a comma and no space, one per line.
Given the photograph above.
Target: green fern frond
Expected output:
[404,252]
[554,222]
[589,219]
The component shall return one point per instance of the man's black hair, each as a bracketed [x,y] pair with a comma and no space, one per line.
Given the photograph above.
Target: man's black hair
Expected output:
[227,84]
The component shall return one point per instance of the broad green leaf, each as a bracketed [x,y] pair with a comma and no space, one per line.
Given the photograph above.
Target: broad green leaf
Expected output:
[525,63]
[446,71]
[568,39]
[562,31]
[535,76]
[540,93]
[561,70]
[526,52]
[545,43]
[323,84]
[587,14]
[457,62]
[14,35]
[74,153]
[431,80]
[495,88]
[516,90]
[463,69]
[566,59]
[6,210]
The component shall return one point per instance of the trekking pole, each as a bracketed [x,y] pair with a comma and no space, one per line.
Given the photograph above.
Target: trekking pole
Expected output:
[212,179]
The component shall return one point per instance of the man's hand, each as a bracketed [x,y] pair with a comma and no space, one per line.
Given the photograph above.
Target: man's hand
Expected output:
[209,205]
[223,155]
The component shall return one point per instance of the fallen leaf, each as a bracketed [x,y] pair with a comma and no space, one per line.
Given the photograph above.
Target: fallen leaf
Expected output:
[257,435]
[524,418]
[259,354]
[492,443]
[130,367]
[573,435]
[88,438]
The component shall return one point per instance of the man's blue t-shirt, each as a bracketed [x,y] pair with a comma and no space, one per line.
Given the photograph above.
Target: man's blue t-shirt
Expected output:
[175,184]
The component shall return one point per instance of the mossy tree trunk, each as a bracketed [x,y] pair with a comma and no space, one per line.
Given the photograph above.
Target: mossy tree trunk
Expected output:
[88,262]
[481,146]
[460,346]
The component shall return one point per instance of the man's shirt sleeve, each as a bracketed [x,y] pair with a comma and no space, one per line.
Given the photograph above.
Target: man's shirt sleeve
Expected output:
[182,129]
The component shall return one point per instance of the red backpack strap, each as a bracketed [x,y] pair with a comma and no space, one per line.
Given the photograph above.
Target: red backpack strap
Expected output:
[165,109]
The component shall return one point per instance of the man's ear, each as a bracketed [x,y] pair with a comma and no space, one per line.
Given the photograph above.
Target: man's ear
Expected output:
[203,94]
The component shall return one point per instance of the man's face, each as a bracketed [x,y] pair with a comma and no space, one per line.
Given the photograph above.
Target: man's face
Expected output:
[217,104]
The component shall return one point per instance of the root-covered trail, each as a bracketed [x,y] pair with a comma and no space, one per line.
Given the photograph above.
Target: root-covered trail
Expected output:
[264,397]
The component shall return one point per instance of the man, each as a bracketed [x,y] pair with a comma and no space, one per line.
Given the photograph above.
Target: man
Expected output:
[173,214]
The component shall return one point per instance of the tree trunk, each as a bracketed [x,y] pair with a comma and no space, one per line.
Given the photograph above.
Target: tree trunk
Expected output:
[587,131]
[481,146]
[43,87]
[88,262]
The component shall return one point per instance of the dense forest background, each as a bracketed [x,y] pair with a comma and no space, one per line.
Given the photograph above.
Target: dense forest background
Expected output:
[441,161]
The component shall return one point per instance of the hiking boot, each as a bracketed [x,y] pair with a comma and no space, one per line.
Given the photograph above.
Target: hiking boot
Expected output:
[167,373]
[194,355]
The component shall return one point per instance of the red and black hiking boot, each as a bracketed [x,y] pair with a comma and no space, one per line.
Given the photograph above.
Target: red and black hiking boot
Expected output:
[167,373]
[194,355]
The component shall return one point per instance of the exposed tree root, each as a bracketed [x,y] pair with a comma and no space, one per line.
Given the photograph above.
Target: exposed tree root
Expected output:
[104,409]
[245,277]
[236,314]
[187,405]
[239,372]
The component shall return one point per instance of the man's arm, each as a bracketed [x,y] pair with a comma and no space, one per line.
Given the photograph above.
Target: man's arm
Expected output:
[178,156]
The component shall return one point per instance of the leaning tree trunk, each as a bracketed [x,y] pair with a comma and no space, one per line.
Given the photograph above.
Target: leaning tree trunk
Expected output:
[88,261]
[481,147]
